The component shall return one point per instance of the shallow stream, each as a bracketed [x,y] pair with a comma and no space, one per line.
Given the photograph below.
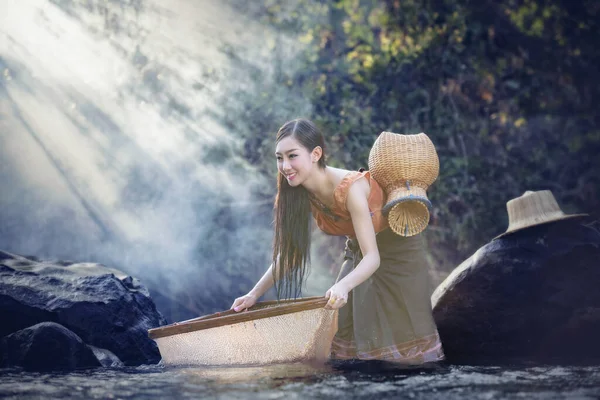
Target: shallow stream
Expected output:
[349,381]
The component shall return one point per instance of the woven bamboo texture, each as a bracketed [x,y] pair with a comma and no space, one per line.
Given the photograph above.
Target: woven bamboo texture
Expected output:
[405,166]
[534,208]
[270,332]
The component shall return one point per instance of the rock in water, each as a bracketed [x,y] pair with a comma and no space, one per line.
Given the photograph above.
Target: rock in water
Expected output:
[47,347]
[531,297]
[103,306]
[106,358]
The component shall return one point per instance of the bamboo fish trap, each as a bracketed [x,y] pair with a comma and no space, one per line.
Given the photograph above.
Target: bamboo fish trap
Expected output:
[405,166]
[270,332]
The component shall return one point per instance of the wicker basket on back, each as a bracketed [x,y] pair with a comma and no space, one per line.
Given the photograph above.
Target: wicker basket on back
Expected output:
[405,166]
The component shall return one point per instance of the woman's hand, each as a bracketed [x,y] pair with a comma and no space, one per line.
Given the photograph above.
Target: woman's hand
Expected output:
[337,295]
[244,302]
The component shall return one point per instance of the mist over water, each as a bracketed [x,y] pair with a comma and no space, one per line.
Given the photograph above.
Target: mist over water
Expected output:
[110,150]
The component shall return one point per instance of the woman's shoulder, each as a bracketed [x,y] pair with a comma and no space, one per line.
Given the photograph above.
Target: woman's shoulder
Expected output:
[347,180]
[338,174]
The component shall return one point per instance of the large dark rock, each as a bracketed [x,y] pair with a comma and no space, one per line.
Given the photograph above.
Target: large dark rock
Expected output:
[103,306]
[528,297]
[46,347]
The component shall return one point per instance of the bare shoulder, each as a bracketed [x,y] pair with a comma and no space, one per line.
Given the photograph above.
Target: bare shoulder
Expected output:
[362,186]
[337,175]
[358,194]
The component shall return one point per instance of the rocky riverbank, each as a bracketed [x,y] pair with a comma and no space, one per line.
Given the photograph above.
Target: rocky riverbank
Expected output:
[61,315]
[531,297]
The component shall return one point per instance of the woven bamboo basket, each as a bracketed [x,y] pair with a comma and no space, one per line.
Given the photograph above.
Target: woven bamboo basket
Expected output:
[270,332]
[405,166]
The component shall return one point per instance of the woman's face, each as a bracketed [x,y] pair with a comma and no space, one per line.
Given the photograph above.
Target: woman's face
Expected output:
[294,161]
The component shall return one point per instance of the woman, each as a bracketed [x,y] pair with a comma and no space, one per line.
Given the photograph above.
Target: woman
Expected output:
[387,313]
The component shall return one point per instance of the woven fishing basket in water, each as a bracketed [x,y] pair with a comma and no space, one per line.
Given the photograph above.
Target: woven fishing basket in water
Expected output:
[299,330]
[405,166]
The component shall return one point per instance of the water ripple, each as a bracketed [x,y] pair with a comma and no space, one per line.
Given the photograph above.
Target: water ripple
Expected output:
[351,381]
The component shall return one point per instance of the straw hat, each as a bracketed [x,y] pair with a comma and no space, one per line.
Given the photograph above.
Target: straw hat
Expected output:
[405,166]
[534,208]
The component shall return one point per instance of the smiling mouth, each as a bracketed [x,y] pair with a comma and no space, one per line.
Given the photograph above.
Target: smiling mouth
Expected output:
[291,176]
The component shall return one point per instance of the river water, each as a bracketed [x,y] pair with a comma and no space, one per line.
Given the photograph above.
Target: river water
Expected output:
[131,85]
[297,381]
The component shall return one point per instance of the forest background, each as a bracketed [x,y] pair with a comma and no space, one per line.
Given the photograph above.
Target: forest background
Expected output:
[507,91]
[139,134]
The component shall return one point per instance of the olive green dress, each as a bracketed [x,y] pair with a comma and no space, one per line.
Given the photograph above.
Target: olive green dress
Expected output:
[387,317]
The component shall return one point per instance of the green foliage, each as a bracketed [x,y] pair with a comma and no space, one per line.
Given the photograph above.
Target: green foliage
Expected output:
[505,89]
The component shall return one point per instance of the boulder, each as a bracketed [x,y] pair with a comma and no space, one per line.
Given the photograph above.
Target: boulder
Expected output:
[103,306]
[46,347]
[528,297]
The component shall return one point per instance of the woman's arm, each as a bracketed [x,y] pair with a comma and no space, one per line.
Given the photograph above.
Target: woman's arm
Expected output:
[358,206]
[263,284]
[261,287]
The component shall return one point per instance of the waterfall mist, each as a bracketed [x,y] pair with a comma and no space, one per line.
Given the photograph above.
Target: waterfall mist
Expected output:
[111,150]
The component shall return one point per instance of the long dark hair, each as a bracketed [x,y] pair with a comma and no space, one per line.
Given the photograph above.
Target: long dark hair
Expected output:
[291,244]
